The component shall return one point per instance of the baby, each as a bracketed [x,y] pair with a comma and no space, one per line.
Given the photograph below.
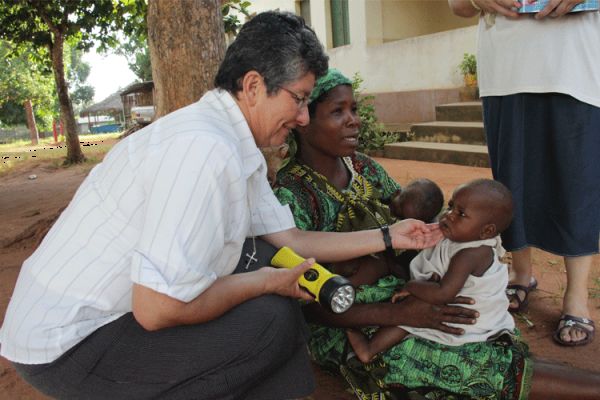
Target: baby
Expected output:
[465,263]
[421,199]
[274,157]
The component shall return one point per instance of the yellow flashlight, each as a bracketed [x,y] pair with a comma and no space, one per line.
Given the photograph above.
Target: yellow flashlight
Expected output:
[330,290]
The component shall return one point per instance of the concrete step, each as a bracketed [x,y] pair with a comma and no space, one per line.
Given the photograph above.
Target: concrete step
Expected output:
[464,111]
[448,153]
[403,127]
[449,132]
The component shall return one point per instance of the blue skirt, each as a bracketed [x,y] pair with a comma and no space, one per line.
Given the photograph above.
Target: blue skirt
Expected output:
[546,149]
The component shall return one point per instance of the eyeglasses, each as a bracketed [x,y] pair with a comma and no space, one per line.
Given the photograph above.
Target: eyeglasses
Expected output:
[301,101]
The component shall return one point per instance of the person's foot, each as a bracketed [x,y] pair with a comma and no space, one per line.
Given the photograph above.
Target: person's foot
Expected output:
[520,279]
[518,293]
[360,345]
[575,330]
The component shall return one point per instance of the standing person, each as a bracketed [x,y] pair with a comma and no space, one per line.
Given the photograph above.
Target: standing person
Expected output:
[540,84]
[328,183]
[133,295]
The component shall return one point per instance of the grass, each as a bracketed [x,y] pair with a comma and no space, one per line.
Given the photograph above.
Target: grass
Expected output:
[94,148]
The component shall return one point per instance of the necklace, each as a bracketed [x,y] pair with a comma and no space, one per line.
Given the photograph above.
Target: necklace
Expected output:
[250,257]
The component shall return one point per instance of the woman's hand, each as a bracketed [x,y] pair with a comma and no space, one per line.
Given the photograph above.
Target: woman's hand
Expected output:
[557,8]
[466,8]
[284,281]
[414,234]
[420,314]
[502,7]
[410,311]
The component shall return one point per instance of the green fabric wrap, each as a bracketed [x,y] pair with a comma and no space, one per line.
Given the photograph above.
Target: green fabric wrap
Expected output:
[315,208]
[324,84]
[499,369]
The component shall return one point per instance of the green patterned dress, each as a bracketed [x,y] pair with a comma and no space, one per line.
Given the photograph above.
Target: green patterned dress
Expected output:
[499,369]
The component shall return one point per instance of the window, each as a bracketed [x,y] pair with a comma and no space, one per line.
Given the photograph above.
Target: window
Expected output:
[340,26]
[303,9]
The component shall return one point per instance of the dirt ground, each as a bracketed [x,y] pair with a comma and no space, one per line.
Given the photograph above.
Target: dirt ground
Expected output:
[28,205]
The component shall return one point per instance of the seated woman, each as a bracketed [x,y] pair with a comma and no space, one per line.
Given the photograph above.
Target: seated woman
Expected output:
[331,187]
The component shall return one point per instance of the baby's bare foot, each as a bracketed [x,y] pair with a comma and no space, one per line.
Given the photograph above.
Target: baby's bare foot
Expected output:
[360,345]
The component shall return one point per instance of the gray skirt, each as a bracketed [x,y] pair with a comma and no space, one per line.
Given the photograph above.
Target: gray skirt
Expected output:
[546,149]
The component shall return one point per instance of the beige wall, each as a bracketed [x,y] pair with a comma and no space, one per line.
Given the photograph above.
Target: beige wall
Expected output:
[264,5]
[403,19]
[424,62]
[421,61]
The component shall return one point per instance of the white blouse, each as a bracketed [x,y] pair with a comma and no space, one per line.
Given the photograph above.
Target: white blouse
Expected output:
[550,55]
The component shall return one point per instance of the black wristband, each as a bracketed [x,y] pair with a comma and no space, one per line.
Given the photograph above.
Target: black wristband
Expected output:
[387,239]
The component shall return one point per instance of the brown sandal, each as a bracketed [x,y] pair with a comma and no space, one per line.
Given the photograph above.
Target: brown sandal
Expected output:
[581,324]
[520,294]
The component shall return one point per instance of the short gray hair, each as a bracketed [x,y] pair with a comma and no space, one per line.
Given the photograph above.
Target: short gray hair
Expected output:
[277,45]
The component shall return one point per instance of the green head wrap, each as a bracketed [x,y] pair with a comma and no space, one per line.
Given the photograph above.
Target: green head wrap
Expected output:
[324,84]
[331,79]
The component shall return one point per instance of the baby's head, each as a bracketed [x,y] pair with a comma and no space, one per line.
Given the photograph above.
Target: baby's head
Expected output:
[480,209]
[421,199]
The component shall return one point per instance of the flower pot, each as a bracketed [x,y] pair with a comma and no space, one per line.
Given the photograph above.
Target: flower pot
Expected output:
[470,80]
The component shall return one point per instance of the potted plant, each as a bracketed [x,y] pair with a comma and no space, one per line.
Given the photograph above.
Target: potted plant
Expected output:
[468,67]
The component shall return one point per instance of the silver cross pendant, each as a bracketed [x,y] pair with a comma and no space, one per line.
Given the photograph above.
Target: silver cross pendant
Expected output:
[251,259]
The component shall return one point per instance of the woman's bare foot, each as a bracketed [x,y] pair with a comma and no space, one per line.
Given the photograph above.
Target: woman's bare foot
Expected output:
[520,280]
[575,303]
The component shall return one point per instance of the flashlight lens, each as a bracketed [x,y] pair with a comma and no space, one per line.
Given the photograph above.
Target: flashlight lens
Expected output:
[342,299]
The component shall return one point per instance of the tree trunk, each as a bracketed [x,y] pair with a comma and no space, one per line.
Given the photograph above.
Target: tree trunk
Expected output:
[187,43]
[33,131]
[67,116]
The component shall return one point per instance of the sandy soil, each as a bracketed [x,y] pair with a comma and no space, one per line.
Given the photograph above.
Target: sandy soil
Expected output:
[28,206]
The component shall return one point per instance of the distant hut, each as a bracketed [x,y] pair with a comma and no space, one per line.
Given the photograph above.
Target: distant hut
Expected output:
[135,95]
[105,116]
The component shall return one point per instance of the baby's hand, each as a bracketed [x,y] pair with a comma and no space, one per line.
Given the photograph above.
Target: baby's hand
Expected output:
[434,277]
[401,295]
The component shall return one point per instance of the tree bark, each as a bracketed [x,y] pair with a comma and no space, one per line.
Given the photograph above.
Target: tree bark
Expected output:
[67,116]
[33,131]
[187,43]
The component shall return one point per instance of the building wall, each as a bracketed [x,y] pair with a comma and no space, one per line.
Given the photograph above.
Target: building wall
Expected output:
[419,63]
[405,50]
[263,5]
[410,18]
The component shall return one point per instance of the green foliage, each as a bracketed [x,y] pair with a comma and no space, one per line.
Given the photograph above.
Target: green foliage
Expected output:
[47,25]
[231,22]
[36,22]
[21,79]
[372,135]
[142,67]
[468,65]
[135,50]
[78,71]
[135,46]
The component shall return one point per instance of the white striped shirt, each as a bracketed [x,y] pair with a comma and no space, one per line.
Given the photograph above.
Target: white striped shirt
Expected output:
[168,208]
